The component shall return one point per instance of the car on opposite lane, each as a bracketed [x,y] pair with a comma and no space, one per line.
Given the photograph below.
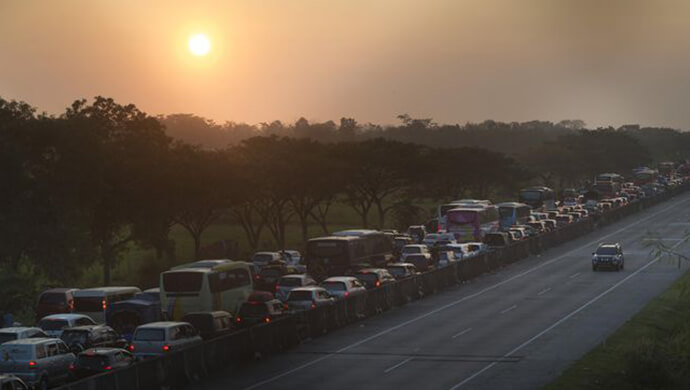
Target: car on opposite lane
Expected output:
[608,255]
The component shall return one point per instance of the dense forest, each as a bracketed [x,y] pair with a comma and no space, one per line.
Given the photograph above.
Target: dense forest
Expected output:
[81,187]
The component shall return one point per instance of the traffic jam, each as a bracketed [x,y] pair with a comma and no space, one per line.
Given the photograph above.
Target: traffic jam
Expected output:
[83,332]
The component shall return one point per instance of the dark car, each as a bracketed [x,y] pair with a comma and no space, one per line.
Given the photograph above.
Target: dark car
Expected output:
[267,278]
[374,277]
[210,324]
[55,301]
[256,312]
[402,270]
[421,262]
[98,360]
[11,382]
[496,240]
[608,255]
[79,338]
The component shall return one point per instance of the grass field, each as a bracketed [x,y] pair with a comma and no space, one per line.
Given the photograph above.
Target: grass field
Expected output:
[650,351]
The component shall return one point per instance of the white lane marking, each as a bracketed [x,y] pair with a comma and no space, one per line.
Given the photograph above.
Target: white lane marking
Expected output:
[679,224]
[389,369]
[462,333]
[504,311]
[463,299]
[562,320]
[573,276]
[544,291]
[662,239]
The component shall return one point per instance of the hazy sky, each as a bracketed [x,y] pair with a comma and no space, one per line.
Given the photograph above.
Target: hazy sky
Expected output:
[606,62]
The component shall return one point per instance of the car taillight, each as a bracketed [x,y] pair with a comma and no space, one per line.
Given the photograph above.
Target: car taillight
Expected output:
[313,305]
[107,368]
[346,294]
[103,303]
[166,348]
[286,306]
[72,367]
[378,283]
[277,288]
[267,320]
[238,319]
[32,364]
[131,348]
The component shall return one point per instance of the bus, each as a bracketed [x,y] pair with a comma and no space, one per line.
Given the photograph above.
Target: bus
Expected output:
[538,198]
[606,178]
[644,175]
[93,302]
[343,252]
[666,168]
[224,286]
[471,224]
[513,213]
[468,203]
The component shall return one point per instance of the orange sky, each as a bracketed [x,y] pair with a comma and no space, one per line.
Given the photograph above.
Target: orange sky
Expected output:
[606,62]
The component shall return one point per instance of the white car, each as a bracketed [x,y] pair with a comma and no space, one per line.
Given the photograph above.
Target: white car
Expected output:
[53,324]
[413,249]
[261,259]
[20,332]
[160,338]
[343,287]
[288,283]
[433,238]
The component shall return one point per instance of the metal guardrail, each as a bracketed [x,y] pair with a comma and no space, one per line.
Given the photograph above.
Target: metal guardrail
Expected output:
[229,352]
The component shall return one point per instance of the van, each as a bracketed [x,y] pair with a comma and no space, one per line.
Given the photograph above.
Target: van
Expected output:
[55,301]
[39,362]
[93,302]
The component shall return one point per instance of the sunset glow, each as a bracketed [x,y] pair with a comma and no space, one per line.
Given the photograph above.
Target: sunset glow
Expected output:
[199,45]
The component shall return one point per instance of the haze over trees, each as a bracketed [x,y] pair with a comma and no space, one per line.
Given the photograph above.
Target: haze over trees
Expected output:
[83,187]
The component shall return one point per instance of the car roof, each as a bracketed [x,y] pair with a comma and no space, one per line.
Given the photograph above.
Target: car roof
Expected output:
[65,316]
[308,288]
[340,279]
[101,351]
[295,276]
[59,290]
[35,340]
[163,324]
[400,265]
[370,270]
[86,327]
[415,246]
[17,329]
[266,253]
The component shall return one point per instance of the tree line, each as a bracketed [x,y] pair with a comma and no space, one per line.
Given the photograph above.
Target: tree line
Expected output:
[81,187]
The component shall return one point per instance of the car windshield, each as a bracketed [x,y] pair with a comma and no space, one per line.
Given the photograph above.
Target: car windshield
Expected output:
[52,298]
[16,352]
[262,258]
[6,336]
[299,296]
[93,361]
[149,334]
[71,337]
[252,309]
[505,211]
[52,324]
[494,239]
[368,278]
[606,250]
[396,271]
[412,249]
[531,195]
[290,282]
[271,273]
[334,286]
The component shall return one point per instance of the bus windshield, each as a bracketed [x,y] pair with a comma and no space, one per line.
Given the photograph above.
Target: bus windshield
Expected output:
[182,281]
[506,212]
[326,248]
[462,217]
[531,195]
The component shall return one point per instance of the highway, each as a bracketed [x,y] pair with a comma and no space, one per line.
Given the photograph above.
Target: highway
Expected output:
[515,329]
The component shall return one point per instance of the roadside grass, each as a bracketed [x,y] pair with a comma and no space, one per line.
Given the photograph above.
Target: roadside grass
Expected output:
[650,351]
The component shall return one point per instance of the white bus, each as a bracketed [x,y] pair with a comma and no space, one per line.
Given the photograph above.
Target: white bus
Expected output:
[93,301]
[466,203]
[224,286]
[471,224]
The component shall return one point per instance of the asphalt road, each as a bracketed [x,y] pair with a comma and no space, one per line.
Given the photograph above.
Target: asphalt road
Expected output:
[514,329]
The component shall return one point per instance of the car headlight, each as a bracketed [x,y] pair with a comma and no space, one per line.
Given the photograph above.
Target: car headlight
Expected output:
[594,259]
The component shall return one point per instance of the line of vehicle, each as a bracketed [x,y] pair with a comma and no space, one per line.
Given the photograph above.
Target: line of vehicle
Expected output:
[462,333]
[463,299]
[560,321]
[389,369]
[504,311]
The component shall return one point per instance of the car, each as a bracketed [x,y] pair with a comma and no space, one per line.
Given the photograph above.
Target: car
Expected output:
[539,226]
[518,233]
[445,257]
[496,240]
[295,259]
[54,324]
[374,277]
[608,255]
[417,232]
[160,338]
[20,332]
[55,301]
[255,312]
[414,249]
[563,219]
[288,282]
[151,295]
[40,362]
[269,275]
[399,243]
[402,270]
[343,287]
[12,382]
[99,360]
[421,262]
[210,324]
[262,259]
[83,337]
[431,239]
[308,298]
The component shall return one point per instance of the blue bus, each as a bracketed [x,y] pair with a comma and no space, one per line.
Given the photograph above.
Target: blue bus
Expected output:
[513,213]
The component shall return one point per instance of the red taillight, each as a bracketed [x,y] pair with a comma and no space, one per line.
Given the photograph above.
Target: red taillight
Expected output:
[277,288]
[166,348]
[107,368]
[285,306]
[131,348]
[104,303]
[32,364]
[72,367]
[346,294]
[267,320]
[238,319]
[378,283]
[313,305]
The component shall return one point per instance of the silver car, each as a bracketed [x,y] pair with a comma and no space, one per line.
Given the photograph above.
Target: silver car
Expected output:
[308,298]
[160,338]
[20,332]
[289,282]
[55,323]
[343,287]
[39,362]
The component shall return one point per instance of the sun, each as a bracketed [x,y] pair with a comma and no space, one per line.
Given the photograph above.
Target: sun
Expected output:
[199,45]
